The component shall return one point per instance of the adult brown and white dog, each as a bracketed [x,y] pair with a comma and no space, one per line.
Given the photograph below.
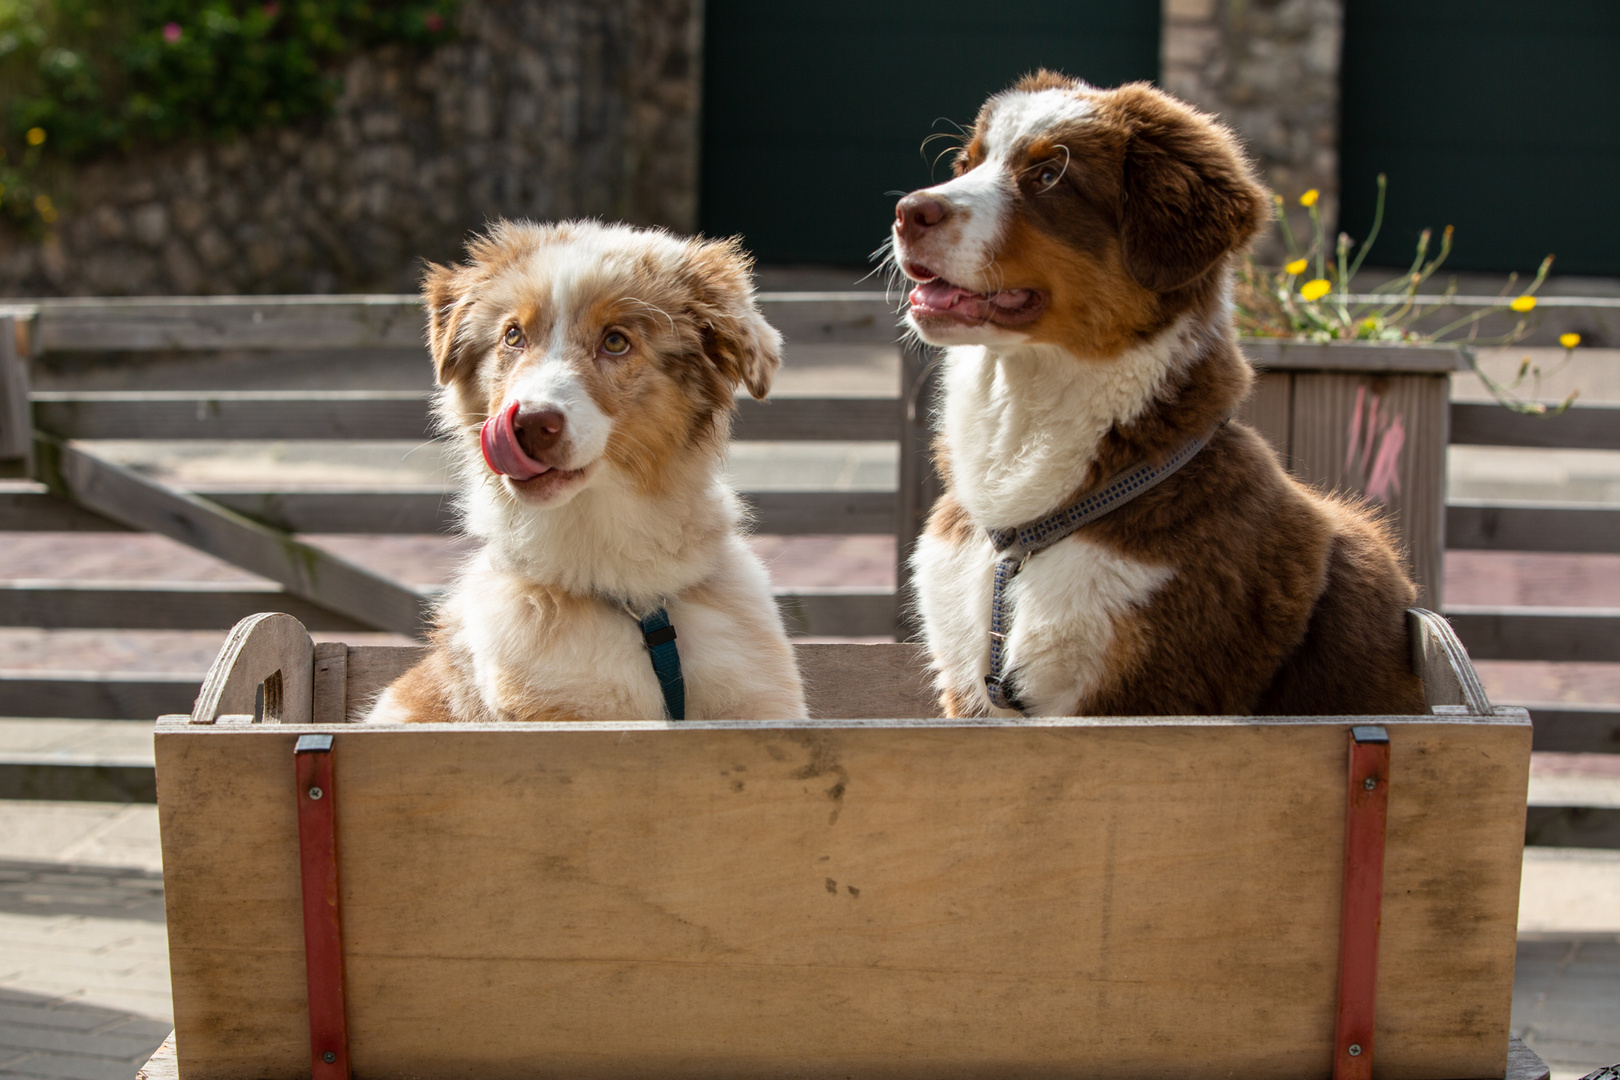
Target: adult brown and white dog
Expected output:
[587,375]
[1078,268]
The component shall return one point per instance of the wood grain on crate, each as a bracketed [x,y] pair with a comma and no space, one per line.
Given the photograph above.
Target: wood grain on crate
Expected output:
[1320,445]
[903,899]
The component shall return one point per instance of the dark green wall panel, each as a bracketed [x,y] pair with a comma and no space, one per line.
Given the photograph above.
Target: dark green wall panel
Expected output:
[1497,116]
[814,113]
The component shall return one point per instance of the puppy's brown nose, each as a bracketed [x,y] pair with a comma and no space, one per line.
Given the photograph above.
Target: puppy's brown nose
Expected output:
[917,213]
[538,431]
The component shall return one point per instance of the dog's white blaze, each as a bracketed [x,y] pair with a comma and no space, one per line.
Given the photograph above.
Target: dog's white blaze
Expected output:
[1022,424]
[552,383]
[980,199]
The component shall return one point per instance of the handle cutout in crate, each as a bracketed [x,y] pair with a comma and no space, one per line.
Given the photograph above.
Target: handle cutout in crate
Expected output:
[269,654]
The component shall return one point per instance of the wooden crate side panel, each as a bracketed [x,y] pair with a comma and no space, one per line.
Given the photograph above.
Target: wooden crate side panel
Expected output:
[1269,409]
[901,901]
[1345,426]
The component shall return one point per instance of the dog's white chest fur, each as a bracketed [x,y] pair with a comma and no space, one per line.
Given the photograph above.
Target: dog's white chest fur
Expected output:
[1021,430]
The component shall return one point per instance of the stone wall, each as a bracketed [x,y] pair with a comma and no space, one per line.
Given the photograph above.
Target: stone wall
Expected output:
[540,108]
[1270,68]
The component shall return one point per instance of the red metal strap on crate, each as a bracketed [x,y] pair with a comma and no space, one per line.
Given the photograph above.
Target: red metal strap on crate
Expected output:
[1366,814]
[323,921]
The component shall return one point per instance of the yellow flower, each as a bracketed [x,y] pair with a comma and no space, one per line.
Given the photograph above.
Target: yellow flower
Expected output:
[1523,303]
[1315,290]
[1569,341]
[1309,198]
[47,211]
[35,136]
[1296,267]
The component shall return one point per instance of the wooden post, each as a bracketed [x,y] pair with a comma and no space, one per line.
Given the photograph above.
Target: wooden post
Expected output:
[16,424]
[919,483]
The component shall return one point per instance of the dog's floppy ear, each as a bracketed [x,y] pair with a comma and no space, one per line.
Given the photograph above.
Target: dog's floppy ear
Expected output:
[736,338]
[445,295]
[1189,196]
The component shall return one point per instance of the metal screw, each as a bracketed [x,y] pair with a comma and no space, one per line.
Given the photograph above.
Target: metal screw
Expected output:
[315,793]
[1355,1049]
[331,1058]
[1370,783]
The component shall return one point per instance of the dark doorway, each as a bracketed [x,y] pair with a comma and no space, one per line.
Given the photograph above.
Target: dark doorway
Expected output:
[1496,116]
[814,113]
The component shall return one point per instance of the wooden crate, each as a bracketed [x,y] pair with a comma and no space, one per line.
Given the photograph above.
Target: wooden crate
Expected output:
[860,894]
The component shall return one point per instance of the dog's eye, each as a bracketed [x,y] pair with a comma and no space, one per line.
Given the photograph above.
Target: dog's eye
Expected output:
[514,336]
[615,343]
[1049,175]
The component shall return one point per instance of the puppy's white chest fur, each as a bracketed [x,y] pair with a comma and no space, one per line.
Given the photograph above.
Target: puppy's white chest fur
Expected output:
[1022,428]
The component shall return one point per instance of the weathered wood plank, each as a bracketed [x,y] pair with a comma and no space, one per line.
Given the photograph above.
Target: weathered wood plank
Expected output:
[145,605]
[837,612]
[820,513]
[1538,633]
[1583,427]
[304,571]
[1383,436]
[1481,526]
[74,778]
[16,436]
[325,322]
[1270,354]
[845,898]
[1563,727]
[381,414]
[30,507]
[1573,826]
[1270,410]
[96,695]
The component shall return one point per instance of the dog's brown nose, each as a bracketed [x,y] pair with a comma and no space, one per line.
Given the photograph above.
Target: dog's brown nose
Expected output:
[538,431]
[917,213]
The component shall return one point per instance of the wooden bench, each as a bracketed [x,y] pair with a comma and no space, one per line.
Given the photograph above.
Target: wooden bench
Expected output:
[870,893]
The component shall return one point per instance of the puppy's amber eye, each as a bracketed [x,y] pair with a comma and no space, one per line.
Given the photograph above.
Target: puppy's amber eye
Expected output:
[615,343]
[514,336]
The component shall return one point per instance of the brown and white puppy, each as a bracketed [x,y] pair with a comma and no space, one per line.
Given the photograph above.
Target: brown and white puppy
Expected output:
[605,359]
[1077,266]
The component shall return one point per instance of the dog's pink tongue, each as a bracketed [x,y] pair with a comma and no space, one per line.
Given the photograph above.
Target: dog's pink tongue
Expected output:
[502,452]
[938,294]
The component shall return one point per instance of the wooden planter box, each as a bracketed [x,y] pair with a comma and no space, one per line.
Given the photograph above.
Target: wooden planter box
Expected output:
[864,894]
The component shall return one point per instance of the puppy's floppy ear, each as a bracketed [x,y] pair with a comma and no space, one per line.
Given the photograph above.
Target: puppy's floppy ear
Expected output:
[445,295]
[736,338]
[1189,196]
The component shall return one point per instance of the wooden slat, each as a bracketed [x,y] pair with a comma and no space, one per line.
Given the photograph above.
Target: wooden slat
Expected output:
[74,778]
[30,507]
[418,510]
[304,571]
[1481,526]
[1066,897]
[819,513]
[96,696]
[141,605]
[837,612]
[1359,357]
[1583,427]
[1538,633]
[401,415]
[325,322]
[16,437]
[1270,410]
[139,324]
[1567,728]
[1573,826]
[1324,415]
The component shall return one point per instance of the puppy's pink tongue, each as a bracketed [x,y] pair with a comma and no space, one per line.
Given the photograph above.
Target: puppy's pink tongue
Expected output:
[502,452]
